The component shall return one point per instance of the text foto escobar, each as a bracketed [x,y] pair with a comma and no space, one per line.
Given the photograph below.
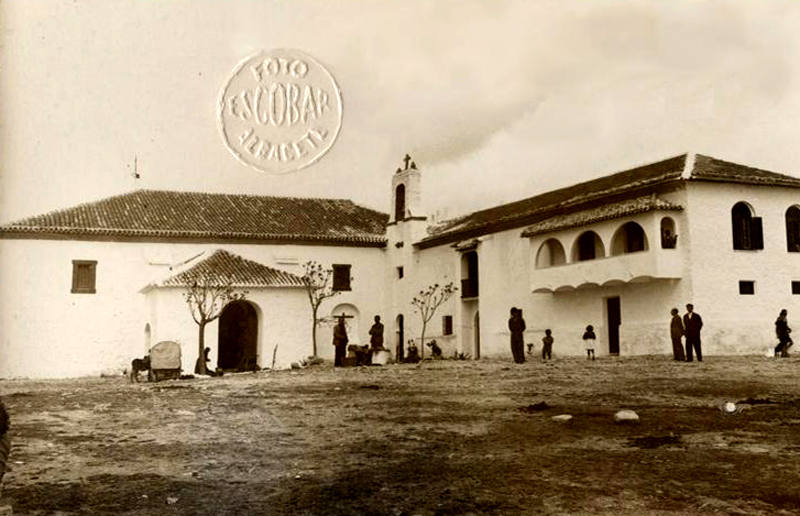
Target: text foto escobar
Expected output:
[280,105]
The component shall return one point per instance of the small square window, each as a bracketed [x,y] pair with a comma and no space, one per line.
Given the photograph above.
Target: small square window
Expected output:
[447,325]
[84,274]
[399,273]
[747,288]
[341,277]
[796,287]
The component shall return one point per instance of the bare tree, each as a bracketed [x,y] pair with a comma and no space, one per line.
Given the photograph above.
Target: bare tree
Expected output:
[317,281]
[427,301]
[207,297]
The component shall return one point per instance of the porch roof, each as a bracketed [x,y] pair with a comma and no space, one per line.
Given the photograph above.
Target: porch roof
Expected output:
[600,213]
[222,267]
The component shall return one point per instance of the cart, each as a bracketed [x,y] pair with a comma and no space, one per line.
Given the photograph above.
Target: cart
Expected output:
[165,360]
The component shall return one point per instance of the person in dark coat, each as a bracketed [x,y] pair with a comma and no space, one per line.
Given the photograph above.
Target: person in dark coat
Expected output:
[340,342]
[517,326]
[376,334]
[782,331]
[676,332]
[692,323]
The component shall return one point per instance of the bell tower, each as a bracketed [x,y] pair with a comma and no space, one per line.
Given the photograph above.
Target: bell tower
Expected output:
[406,194]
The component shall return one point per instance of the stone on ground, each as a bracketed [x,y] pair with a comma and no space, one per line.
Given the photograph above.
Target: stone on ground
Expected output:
[626,416]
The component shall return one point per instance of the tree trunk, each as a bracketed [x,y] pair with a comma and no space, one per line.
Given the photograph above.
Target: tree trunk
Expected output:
[201,349]
[422,339]
[314,334]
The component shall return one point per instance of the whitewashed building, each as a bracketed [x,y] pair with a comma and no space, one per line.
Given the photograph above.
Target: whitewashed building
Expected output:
[86,289]
[617,252]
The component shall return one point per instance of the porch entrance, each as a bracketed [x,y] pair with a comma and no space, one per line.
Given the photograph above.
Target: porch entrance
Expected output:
[238,337]
[613,319]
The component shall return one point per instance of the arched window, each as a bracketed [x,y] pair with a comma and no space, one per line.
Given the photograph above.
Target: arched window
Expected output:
[747,232]
[669,238]
[588,247]
[400,203]
[629,238]
[551,252]
[793,229]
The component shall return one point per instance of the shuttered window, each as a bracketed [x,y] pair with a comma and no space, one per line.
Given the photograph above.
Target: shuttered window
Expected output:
[84,275]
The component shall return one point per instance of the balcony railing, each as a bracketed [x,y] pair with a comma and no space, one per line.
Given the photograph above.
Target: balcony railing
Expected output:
[632,267]
[469,287]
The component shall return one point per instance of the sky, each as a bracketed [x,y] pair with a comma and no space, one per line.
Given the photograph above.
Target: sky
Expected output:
[495,100]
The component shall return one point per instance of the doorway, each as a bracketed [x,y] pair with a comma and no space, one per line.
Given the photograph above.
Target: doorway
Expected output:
[614,319]
[238,337]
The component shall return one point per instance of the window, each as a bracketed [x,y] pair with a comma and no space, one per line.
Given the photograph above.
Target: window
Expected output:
[399,273]
[447,325]
[400,203]
[747,288]
[796,287]
[793,229]
[341,277]
[469,274]
[747,232]
[83,276]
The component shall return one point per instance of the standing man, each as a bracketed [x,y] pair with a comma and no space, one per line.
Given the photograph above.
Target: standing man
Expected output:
[340,342]
[782,331]
[376,334]
[692,324]
[517,327]
[676,332]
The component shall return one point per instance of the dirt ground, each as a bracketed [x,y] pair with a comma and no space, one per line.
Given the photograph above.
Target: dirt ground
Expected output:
[438,438]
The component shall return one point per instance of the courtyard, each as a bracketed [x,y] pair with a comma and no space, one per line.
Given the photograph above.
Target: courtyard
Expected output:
[441,437]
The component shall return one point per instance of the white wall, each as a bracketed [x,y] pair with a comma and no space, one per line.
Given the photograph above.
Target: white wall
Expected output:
[279,312]
[46,331]
[735,323]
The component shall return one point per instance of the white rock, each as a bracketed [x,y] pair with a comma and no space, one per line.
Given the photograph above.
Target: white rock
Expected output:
[562,418]
[626,416]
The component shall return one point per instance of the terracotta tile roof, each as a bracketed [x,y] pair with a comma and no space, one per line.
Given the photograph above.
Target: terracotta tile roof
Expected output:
[707,168]
[182,215]
[526,211]
[223,267]
[600,213]
[634,182]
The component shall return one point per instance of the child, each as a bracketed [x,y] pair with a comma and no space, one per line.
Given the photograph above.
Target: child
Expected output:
[547,345]
[588,341]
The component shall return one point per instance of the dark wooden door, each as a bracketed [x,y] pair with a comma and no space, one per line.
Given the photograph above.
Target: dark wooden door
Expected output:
[614,320]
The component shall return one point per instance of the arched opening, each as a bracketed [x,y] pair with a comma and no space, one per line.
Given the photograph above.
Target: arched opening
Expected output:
[399,331]
[352,321]
[793,229]
[747,231]
[629,238]
[469,274]
[669,237]
[238,337]
[147,337]
[400,203]
[550,253]
[740,223]
[588,247]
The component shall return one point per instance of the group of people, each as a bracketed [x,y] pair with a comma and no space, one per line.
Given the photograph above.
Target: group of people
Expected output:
[516,325]
[340,339]
[689,326]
